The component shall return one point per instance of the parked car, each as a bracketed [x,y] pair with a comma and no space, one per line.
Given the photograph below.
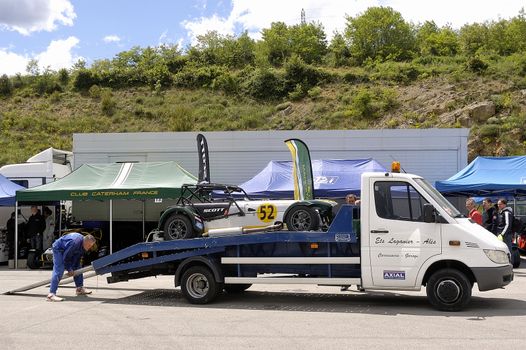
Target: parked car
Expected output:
[199,210]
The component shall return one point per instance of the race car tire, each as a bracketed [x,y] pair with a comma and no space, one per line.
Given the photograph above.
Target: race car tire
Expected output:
[178,226]
[302,218]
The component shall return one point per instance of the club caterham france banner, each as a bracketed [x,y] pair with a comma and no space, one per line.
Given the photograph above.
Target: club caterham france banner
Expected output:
[301,169]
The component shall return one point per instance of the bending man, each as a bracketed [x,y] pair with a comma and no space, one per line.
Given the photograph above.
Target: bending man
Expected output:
[67,251]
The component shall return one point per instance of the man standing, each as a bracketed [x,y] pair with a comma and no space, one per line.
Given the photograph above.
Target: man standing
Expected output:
[67,251]
[489,218]
[504,222]
[49,231]
[473,212]
[34,227]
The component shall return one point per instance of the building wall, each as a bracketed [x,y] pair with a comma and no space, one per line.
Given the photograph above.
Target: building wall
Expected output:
[236,156]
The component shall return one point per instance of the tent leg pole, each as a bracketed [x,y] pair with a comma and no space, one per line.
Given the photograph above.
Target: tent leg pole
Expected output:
[16,235]
[143,219]
[59,217]
[111,226]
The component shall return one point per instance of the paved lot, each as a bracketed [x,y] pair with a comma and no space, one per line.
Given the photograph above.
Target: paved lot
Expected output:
[151,313]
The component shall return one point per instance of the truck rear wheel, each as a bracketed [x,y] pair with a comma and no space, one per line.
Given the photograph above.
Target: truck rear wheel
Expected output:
[448,290]
[178,226]
[199,286]
[236,288]
[302,218]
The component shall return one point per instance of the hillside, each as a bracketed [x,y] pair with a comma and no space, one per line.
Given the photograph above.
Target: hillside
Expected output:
[382,72]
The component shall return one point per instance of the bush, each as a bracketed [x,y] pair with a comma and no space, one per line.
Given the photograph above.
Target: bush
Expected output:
[314,93]
[198,77]
[264,84]
[95,92]
[108,104]
[489,130]
[477,65]
[6,88]
[84,79]
[298,72]
[63,77]
[298,93]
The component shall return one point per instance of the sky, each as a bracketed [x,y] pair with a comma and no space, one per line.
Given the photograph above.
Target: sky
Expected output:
[57,33]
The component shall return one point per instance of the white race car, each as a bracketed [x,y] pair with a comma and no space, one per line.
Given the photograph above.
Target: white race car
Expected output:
[197,212]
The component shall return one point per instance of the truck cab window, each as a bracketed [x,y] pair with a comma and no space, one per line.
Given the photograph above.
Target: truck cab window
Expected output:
[398,201]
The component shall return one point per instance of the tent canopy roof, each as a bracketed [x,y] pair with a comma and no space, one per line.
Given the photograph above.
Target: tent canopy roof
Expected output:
[487,176]
[114,181]
[333,178]
[7,191]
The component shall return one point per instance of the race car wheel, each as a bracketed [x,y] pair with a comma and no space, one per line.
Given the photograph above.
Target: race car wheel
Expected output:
[178,226]
[302,218]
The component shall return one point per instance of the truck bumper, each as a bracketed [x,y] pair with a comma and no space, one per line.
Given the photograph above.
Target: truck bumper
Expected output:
[493,277]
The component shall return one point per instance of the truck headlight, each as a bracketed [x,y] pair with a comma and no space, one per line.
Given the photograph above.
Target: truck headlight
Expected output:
[497,256]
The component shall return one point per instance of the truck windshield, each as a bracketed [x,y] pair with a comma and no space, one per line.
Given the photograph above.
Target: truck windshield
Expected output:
[437,196]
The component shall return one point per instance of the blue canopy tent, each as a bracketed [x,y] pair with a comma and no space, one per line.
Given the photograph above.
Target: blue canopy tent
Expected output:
[333,178]
[8,191]
[486,176]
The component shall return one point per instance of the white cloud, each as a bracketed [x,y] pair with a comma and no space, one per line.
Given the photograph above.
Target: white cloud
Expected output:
[111,39]
[12,63]
[57,55]
[254,15]
[456,13]
[26,16]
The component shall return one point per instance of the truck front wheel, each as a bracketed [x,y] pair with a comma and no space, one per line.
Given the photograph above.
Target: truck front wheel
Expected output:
[178,226]
[448,290]
[199,286]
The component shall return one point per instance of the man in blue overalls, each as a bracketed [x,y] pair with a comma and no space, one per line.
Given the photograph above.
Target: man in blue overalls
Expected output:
[67,251]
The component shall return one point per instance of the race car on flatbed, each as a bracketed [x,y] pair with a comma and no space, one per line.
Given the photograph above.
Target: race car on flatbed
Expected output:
[198,210]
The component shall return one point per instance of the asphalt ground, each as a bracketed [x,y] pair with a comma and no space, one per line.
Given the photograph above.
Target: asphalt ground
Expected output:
[151,314]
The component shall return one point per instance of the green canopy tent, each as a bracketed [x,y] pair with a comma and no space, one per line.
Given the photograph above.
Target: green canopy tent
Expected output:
[112,181]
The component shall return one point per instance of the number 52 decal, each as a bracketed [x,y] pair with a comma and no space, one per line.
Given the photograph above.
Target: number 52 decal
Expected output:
[267,212]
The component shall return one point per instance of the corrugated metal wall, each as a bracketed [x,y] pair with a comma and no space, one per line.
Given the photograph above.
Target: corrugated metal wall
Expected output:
[237,156]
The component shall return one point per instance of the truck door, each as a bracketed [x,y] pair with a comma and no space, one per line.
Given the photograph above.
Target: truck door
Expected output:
[400,240]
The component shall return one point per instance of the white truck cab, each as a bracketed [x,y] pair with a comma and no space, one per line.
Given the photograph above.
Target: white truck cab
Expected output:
[412,236]
[44,167]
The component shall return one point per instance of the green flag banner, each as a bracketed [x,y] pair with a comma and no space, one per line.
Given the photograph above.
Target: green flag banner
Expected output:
[301,170]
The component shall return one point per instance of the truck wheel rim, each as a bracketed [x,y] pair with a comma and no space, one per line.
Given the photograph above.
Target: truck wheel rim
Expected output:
[197,285]
[177,229]
[448,291]
[301,220]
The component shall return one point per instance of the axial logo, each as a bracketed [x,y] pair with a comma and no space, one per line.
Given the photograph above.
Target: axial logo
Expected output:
[212,210]
[394,275]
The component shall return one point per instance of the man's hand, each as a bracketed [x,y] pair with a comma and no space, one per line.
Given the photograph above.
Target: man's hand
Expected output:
[70,273]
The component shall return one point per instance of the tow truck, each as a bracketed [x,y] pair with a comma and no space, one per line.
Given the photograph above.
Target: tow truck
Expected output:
[404,236]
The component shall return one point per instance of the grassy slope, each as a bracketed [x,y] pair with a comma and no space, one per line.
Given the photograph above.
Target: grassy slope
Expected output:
[30,123]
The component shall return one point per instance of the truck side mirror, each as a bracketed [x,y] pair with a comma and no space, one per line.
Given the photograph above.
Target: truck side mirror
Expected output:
[429,213]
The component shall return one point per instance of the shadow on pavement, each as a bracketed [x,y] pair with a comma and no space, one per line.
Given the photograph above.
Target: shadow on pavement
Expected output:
[384,303]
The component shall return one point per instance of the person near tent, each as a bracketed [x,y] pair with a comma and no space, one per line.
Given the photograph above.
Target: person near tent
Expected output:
[473,213]
[34,227]
[67,252]
[489,217]
[48,235]
[504,222]
[10,226]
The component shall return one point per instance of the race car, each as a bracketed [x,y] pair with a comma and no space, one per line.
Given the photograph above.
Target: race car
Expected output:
[199,210]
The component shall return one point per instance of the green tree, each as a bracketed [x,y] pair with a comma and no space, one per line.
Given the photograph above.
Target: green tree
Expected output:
[379,33]
[473,37]
[308,41]
[276,42]
[338,51]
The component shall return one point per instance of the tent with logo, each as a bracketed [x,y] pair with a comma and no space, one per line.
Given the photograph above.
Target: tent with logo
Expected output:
[113,181]
[8,191]
[488,176]
[333,178]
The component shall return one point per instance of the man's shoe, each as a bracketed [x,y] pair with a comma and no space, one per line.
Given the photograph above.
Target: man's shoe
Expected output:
[83,291]
[53,297]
